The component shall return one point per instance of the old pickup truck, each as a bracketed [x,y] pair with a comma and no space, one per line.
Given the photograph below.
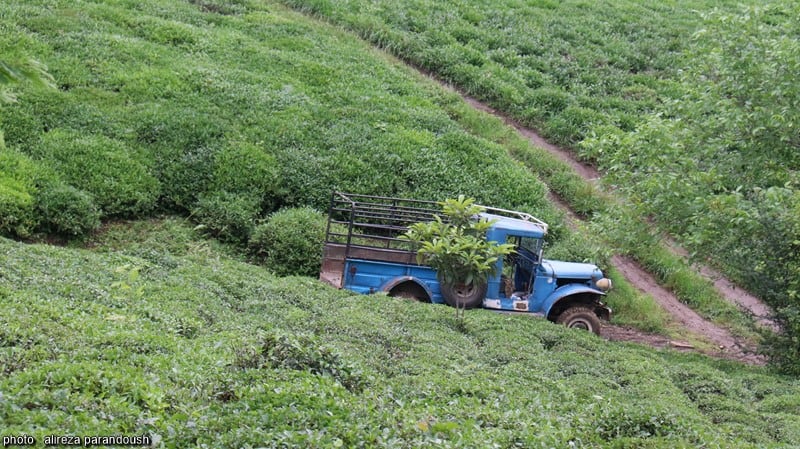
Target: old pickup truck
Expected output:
[364,253]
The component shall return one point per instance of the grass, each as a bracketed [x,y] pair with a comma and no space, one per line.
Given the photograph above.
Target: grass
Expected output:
[204,350]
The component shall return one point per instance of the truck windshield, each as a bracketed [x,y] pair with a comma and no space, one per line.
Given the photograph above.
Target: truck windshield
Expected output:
[531,244]
[527,248]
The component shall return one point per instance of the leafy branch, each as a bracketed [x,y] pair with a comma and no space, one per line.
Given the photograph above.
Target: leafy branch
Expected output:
[456,246]
[13,72]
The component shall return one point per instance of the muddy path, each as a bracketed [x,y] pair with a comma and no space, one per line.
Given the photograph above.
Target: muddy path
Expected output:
[723,343]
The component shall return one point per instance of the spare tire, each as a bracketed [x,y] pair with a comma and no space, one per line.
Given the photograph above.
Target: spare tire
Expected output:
[466,296]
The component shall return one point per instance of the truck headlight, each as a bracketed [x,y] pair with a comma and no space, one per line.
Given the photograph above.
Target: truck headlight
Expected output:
[604,284]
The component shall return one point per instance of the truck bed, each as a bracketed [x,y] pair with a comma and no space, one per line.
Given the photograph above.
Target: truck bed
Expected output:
[335,254]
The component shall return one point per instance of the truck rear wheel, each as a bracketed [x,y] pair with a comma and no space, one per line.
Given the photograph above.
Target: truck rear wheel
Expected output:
[410,290]
[466,296]
[580,318]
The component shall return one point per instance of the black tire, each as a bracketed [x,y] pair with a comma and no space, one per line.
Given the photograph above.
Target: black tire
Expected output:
[580,318]
[468,297]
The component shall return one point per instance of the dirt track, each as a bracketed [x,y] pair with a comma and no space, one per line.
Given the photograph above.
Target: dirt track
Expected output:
[726,344]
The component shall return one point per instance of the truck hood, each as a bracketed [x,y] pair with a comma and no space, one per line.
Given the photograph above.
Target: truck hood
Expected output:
[571,269]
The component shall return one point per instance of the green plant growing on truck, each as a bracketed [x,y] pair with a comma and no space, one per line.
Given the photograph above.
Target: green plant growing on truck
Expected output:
[457,249]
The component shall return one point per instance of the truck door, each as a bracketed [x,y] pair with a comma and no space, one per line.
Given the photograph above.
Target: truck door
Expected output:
[523,262]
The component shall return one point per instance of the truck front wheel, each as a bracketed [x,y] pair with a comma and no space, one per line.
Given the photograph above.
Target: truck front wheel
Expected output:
[466,296]
[580,318]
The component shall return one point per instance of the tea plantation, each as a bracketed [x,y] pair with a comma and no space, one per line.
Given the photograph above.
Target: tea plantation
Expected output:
[157,331]
[228,112]
[689,108]
[234,120]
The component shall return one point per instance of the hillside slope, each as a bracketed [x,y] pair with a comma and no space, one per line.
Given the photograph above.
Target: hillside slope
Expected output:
[229,112]
[199,349]
[689,108]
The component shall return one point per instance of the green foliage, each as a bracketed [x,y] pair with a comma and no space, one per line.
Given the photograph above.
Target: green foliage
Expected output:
[12,72]
[19,178]
[16,208]
[456,246]
[784,349]
[106,168]
[567,67]
[290,241]
[185,175]
[34,198]
[126,286]
[301,353]
[66,210]
[228,216]
[246,169]
[203,350]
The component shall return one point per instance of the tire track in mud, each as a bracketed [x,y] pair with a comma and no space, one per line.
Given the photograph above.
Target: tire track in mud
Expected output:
[726,345]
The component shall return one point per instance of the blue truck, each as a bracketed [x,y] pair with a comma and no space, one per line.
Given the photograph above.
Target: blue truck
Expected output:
[364,253]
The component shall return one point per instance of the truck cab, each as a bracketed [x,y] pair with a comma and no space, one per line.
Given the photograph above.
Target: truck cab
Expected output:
[364,253]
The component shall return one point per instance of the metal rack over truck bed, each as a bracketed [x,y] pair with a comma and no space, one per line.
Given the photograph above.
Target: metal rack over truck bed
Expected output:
[369,227]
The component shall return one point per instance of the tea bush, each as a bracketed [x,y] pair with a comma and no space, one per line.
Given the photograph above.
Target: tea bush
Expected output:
[185,175]
[20,178]
[33,199]
[290,241]
[66,210]
[17,215]
[245,169]
[301,353]
[228,216]
[117,179]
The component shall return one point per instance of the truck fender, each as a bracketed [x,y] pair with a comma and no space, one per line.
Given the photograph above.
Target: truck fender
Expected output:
[387,287]
[564,292]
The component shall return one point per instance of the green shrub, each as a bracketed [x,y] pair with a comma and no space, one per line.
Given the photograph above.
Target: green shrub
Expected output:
[174,126]
[104,167]
[548,101]
[19,178]
[573,121]
[290,242]
[246,169]
[301,353]
[227,216]
[17,216]
[184,142]
[184,175]
[63,209]
[38,111]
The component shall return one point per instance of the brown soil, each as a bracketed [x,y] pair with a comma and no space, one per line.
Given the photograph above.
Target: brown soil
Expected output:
[725,344]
